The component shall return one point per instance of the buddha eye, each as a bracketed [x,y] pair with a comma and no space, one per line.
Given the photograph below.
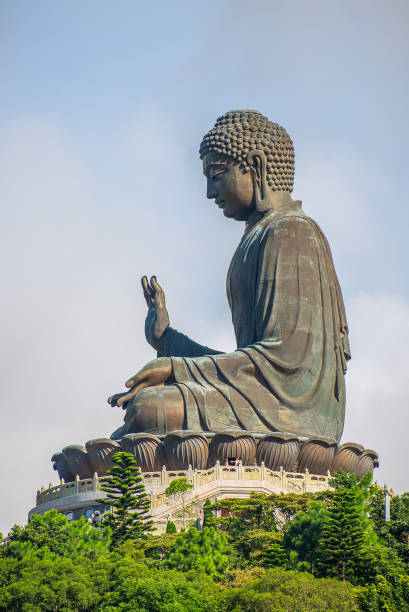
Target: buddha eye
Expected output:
[218,175]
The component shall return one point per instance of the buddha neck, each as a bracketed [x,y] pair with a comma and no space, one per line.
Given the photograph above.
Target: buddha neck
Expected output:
[278,200]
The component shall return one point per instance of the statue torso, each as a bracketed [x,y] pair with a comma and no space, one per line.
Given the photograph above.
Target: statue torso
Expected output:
[243,273]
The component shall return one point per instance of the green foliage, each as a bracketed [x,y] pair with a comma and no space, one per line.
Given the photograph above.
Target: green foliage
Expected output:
[303,535]
[126,494]
[52,564]
[43,530]
[346,480]
[84,540]
[393,533]
[377,559]
[344,535]
[208,517]
[179,489]
[53,583]
[171,527]
[384,595]
[165,591]
[204,551]
[178,486]
[156,547]
[52,533]
[288,505]
[258,547]
[278,590]
[254,512]
[275,556]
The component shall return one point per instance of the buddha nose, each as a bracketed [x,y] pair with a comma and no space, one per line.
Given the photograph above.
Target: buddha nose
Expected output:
[211,191]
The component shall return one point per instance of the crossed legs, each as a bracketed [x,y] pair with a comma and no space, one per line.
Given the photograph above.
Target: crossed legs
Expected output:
[155,410]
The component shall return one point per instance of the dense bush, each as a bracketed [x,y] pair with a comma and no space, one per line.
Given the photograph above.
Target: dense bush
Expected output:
[278,590]
[205,551]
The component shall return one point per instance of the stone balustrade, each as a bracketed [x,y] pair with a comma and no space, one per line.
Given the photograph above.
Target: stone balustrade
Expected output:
[156,482]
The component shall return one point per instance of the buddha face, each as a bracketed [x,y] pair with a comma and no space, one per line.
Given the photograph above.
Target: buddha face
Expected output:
[229,186]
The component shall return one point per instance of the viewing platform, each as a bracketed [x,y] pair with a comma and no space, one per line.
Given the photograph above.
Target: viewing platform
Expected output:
[82,496]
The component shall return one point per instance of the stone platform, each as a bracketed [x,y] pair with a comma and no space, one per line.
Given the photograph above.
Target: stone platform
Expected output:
[81,497]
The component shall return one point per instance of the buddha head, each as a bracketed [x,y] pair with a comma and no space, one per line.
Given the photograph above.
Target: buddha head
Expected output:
[247,160]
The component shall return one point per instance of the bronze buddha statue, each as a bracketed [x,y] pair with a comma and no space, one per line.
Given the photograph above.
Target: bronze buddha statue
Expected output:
[287,373]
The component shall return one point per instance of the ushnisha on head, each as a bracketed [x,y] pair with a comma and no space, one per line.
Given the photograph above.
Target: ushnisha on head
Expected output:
[240,134]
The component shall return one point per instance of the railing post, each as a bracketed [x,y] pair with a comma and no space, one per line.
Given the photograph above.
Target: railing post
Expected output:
[263,471]
[283,477]
[307,480]
[195,479]
[189,473]
[217,470]
[163,477]
[95,482]
[77,484]
[239,470]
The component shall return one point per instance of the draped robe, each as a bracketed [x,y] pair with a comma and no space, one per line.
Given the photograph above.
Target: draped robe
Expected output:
[287,373]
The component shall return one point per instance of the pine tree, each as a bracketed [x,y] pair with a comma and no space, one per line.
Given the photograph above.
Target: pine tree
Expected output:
[344,535]
[208,517]
[303,534]
[275,556]
[126,494]
[171,527]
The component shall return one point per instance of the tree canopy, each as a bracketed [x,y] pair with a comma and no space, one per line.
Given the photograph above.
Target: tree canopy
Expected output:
[306,553]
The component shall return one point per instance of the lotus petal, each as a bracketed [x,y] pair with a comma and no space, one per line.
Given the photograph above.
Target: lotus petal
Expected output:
[184,448]
[147,450]
[100,452]
[278,450]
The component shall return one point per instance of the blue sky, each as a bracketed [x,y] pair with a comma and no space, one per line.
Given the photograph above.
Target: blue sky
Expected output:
[103,107]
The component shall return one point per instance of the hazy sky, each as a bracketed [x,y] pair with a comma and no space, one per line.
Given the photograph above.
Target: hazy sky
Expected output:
[103,106]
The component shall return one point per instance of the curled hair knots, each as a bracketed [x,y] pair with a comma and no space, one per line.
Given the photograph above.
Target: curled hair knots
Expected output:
[238,132]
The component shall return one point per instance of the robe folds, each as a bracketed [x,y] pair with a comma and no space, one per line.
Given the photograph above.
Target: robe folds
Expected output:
[287,373]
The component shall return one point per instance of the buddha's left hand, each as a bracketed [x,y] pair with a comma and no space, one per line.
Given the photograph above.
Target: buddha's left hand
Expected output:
[154,373]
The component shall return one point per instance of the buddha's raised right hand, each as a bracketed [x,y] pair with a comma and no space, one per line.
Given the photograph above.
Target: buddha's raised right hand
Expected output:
[157,319]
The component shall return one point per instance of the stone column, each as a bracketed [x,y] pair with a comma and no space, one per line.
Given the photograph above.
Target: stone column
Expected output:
[163,477]
[307,480]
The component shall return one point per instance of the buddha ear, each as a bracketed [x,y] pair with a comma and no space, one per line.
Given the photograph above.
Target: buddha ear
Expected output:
[257,163]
